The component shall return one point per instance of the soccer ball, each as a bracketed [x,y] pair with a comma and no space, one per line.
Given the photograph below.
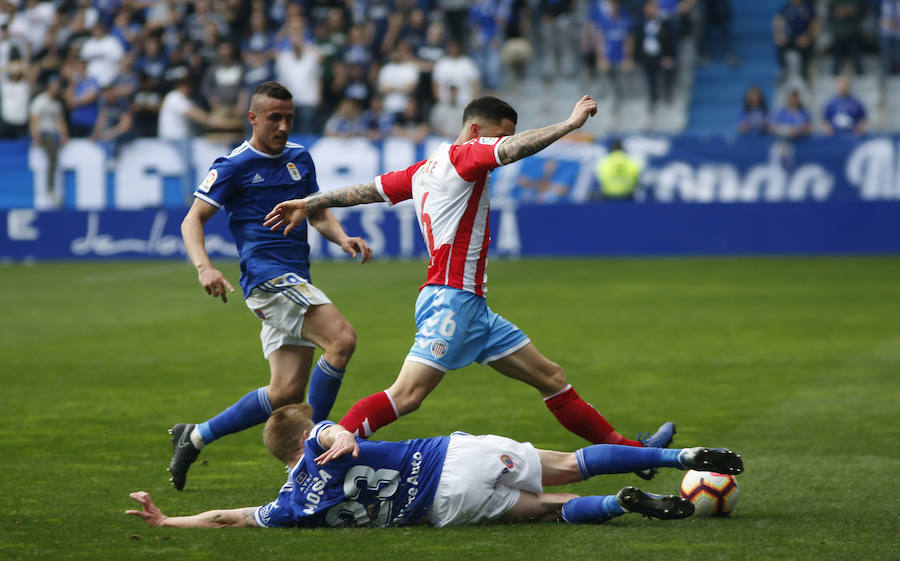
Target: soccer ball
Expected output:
[713,494]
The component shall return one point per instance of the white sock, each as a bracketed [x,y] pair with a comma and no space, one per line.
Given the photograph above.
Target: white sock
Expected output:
[197,440]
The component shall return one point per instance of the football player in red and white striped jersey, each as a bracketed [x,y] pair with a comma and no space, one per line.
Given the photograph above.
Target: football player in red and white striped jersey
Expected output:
[455,325]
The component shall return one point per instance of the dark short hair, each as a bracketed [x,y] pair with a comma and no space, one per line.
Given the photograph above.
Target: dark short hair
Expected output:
[489,108]
[273,89]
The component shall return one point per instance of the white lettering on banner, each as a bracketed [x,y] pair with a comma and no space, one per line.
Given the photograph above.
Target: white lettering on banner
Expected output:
[873,169]
[142,167]
[156,243]
[371,220]
[87,161]
[343,161]
[20,225]
[509,242]
[720,182]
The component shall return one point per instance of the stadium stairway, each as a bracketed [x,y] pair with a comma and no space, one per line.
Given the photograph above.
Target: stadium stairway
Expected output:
[718,90]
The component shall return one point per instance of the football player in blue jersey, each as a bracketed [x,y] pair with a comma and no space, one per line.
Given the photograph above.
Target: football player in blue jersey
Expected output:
[296,316]
[336,479]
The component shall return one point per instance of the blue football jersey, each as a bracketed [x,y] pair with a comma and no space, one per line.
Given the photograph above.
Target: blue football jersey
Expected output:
[389,484]
[248,184]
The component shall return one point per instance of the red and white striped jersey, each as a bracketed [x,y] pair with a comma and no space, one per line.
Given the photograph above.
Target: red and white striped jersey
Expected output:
[452,198]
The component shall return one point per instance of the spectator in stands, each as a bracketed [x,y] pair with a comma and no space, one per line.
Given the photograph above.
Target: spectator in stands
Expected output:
[398,79]
[455,12]
[795,28]
[410,123]
[446,115]
[151,60]
[559,38]
[346,122]
[427,54]
[845,18]
[677,12]
[844,114]
[115,123]
[15,93]
[145,106]
[716,31]
[300,70]
[458,70]
[754,117]
[49,131]
[378,122]
[221,86]
[81,95]
[657,49]
[618,174]
[123,28]
[258,38]
[12,48]
[197,23]
[793,120]
[177,114]
[486,28]
[32,21]
[102,52]
[889,35]
[357,86]
[613,43]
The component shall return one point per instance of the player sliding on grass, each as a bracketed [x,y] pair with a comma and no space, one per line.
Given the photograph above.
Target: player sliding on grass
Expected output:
[296,316]
[455,325]
[335,479]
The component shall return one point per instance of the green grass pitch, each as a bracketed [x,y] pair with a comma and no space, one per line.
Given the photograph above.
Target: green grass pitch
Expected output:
[793,362]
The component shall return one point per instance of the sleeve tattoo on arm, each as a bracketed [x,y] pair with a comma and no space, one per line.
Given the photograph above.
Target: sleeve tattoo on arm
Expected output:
[530,142]
[347,196]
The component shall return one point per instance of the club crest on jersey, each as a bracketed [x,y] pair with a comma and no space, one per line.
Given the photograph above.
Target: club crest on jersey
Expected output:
[208,181]
[292,169]
[507,461]
[439,348]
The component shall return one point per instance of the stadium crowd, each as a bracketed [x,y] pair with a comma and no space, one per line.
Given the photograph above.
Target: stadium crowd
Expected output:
[113,70]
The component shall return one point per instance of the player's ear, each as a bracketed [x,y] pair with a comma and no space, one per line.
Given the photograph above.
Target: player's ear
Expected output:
[475,129]
[251,115]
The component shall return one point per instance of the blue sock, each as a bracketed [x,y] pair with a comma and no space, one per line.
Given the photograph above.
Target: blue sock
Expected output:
[614,458]
[324,384]
[591,510]
[250,410]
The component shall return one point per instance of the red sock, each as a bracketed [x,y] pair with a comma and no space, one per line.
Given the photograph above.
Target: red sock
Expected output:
[580,418]
[370,414]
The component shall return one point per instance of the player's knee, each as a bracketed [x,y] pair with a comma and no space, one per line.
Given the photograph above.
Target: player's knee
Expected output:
[342,346]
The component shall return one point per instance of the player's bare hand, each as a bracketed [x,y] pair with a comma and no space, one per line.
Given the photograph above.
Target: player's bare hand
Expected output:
[149,512]
[214,283]
[344,443]
[357,246]
[287,215]
[585,107]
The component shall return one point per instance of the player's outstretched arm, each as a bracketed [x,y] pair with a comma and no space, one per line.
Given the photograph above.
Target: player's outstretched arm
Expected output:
[290,214]
[327,225]
[150,513]
[337,442]
[532,141]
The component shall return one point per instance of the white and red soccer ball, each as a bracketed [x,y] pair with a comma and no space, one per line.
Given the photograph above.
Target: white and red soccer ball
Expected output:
[713,494]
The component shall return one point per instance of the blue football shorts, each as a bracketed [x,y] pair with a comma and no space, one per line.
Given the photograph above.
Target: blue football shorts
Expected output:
[456,328]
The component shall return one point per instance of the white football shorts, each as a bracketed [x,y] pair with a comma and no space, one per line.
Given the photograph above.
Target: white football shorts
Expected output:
[483,477]
[281,304]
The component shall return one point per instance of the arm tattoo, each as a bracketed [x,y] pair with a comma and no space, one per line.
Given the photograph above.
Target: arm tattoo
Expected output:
[247,518]
[347,196]
[530,142]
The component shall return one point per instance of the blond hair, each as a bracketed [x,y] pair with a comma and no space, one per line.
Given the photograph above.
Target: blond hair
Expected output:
[284,429]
